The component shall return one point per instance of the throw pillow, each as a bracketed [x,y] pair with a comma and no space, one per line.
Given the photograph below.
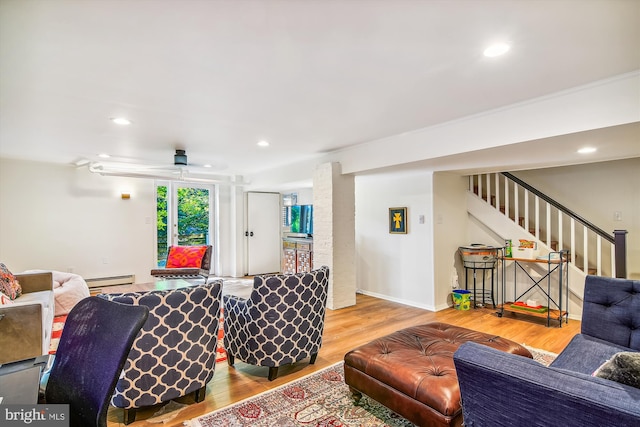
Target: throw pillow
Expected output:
[4,300]
[623,367]
[185,256]
[8,283]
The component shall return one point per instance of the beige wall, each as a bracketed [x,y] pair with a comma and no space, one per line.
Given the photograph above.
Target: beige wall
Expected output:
[63,218]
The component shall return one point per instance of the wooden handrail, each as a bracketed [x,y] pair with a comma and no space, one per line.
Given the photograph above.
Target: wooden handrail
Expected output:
[559,206]
[617,239]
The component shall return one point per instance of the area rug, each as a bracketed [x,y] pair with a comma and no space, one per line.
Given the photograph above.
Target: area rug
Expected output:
[221,354]
[56,332]
[317,400]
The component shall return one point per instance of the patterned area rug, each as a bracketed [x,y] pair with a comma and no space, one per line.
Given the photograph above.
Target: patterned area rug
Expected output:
[317,400]
[56,332]
[221,354]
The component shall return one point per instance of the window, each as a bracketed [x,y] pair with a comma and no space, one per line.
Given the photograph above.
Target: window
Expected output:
[184,216]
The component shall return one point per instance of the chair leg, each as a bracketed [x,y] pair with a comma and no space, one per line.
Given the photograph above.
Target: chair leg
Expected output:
[199,394]
[313,358]
[273,373]
[230,360]
[129,416]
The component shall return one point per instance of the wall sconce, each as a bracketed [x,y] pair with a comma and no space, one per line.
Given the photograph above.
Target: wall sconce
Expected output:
[125,195]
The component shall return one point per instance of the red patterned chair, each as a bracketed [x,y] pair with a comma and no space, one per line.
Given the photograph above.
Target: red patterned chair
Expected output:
[186,262]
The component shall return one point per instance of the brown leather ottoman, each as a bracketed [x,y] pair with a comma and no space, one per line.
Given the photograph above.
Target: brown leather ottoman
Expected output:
[411,371]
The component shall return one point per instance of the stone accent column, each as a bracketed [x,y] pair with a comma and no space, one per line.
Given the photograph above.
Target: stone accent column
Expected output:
[334,232]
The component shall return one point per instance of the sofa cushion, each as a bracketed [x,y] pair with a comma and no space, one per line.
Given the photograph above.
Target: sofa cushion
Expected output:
[585,354]
[623,367]
[8,283]
[611,310]
[185,256]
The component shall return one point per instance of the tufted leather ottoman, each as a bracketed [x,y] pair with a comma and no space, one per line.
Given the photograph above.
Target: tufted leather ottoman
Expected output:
[411,371]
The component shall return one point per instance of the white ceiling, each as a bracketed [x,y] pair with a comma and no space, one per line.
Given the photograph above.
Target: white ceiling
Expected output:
[215,77]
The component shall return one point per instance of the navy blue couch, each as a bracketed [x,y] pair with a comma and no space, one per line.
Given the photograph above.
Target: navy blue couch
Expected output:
[501,389]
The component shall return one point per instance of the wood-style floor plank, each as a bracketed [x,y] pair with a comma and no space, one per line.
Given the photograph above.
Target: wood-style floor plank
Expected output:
[352,326]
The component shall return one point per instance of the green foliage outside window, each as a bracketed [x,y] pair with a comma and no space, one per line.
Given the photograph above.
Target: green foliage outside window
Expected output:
[193,218]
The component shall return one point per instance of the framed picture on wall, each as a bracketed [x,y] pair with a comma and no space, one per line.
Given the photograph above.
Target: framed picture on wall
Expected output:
[398,220]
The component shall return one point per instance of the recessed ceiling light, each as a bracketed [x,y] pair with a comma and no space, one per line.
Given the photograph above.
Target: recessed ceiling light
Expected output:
[587,150]
[496,50]
[104,155]
[263,144]
[121,121]
[207,166]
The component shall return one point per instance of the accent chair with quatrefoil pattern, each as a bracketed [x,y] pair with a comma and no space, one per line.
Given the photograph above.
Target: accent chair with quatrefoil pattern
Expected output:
[175,353]
[281,323]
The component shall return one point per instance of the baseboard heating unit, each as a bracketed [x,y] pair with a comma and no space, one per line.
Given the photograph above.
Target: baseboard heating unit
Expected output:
[101,282]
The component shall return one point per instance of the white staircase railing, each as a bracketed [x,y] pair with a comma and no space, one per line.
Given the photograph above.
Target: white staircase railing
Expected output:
[591,249]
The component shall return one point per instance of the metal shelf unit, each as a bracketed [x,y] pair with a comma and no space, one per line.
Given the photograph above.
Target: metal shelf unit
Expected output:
[557,272]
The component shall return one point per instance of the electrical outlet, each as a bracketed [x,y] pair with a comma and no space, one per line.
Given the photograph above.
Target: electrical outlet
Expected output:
[617,216]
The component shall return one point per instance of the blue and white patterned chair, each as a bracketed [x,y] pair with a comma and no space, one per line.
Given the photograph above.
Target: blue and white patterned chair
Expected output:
[281,323]
[175,353]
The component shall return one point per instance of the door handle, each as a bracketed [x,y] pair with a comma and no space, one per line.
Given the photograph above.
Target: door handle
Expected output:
[248,234]
[251,234]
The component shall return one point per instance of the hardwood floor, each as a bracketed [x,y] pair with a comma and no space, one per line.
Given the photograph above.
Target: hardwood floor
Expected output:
[352,326]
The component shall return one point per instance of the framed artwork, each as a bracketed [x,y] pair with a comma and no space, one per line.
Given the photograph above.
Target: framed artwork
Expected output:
[398,220]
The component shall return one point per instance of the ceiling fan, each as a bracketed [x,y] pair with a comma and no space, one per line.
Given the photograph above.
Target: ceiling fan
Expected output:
[181,170]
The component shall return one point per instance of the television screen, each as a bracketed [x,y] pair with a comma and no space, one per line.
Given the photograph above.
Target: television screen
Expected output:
[302,219]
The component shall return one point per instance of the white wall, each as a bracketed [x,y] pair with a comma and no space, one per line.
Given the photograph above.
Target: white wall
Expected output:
[62,218]
[398,267]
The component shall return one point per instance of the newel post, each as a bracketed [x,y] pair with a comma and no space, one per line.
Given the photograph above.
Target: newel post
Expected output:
[620,239]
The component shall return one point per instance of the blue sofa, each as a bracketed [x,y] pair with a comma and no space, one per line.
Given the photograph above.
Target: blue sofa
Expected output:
[501,389]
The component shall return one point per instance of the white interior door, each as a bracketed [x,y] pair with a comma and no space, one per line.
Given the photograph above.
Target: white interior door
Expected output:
[262,235]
